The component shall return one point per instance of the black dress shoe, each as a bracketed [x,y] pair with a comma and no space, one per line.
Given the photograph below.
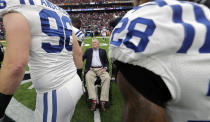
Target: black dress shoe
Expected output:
[93,107]
[103,107]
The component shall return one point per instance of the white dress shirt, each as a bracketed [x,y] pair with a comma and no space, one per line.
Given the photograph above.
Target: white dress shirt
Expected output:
[96,62]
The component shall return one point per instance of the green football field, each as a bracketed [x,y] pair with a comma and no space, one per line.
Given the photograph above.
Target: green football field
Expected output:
[82,114]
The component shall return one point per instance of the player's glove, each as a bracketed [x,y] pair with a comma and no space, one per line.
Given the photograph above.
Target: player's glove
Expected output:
[79,72]
[4,101]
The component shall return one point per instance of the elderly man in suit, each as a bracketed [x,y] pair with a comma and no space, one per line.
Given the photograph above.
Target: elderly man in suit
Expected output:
[97,64]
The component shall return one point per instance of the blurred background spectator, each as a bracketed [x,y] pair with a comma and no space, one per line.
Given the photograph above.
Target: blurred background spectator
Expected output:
[2,31]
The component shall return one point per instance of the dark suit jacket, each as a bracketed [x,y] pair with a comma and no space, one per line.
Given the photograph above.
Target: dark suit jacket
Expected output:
[88,56]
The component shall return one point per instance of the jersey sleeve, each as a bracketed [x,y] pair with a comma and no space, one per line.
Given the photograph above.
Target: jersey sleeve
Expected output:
[79,34]
[81,38]
[7,6]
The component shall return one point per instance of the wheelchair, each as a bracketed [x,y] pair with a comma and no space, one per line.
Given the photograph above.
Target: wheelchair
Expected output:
[98,92]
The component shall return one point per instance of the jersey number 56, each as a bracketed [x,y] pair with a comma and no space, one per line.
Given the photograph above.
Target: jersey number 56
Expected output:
[62,32]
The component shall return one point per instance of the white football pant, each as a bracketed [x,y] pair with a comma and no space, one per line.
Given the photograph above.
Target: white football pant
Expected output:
[58,105]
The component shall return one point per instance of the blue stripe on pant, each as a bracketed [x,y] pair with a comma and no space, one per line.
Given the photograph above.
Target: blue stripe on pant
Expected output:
[54,103]
[54,106]
[45,107]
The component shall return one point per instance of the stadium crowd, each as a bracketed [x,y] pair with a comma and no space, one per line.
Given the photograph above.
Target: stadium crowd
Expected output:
[2,33]
[95,21]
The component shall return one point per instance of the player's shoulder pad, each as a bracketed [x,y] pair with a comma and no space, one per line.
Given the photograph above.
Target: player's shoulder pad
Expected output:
[7,6]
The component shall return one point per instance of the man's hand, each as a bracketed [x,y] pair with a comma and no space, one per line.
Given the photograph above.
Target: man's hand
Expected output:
[104,69]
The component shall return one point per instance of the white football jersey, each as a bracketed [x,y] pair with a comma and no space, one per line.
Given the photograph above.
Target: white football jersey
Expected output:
[79,34]
[51,61]
[172,39]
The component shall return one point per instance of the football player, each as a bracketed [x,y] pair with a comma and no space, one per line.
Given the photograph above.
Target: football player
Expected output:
[40,33]
[162,50]
[76,22]
[103,33]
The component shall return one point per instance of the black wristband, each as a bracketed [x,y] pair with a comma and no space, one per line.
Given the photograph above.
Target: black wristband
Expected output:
[4,101]
[79,72]
[80,43]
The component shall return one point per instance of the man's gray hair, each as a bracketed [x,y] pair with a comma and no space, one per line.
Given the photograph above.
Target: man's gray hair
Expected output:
[94,38]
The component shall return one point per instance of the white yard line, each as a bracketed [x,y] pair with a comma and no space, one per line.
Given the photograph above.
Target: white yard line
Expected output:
[97,117]
[19,112]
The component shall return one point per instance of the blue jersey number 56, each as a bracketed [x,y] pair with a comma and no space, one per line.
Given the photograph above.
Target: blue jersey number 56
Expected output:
[61,31]
[143,36]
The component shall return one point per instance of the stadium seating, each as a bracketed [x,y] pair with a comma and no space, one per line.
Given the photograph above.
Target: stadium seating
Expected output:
[95,21]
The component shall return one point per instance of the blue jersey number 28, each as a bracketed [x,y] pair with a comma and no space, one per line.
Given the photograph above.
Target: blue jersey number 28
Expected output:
[60,31]
[133,32]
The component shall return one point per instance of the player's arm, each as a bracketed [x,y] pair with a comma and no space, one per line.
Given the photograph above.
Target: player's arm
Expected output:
[77,53]
[136,107]
[18,40]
